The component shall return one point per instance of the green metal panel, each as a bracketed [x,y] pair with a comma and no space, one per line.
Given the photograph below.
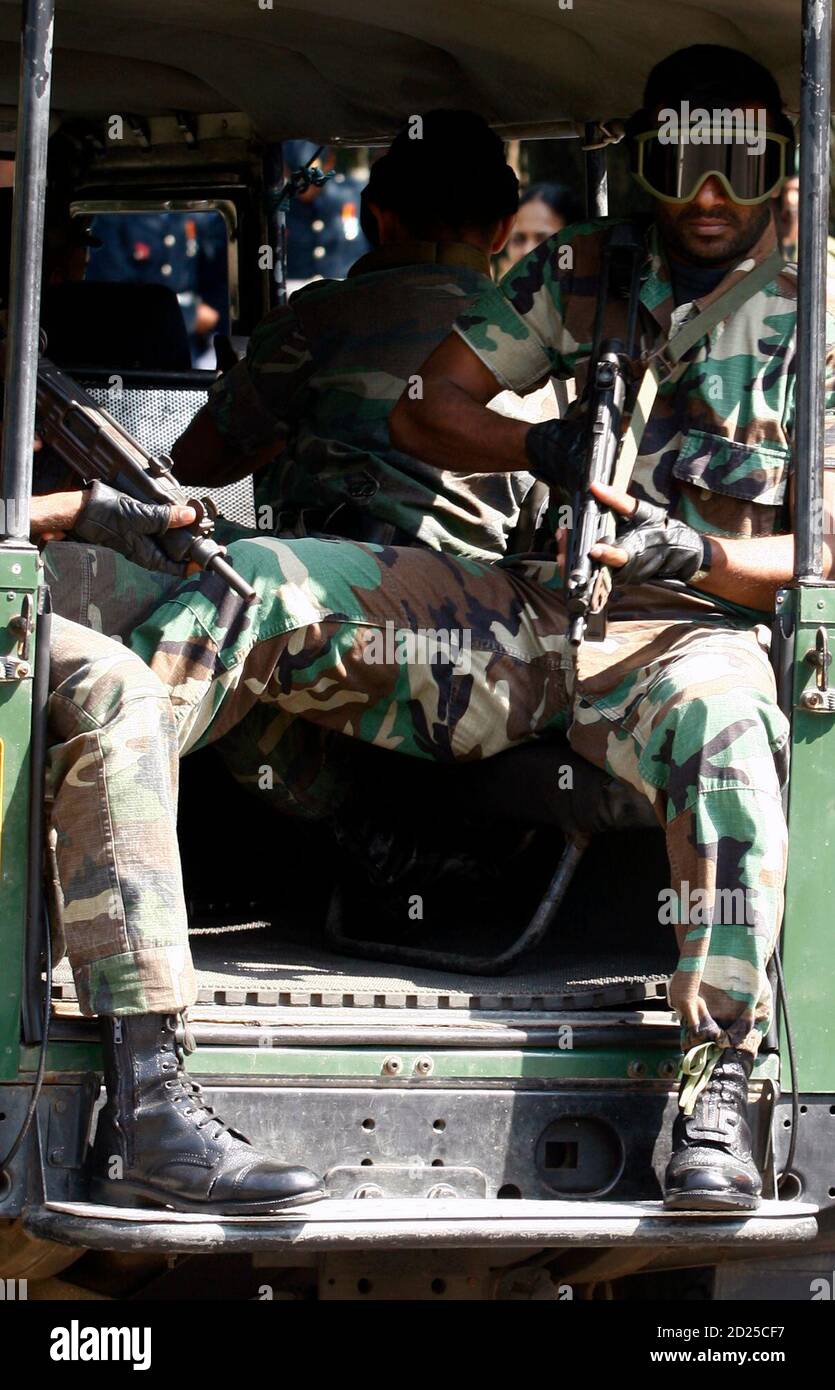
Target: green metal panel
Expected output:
[18,577]
[809,929]
[637,1063]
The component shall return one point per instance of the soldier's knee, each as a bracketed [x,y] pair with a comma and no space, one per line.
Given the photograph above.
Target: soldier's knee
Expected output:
[263,558]
[134,680]
[110,684]
[308,563]
[710,724]
[727,705]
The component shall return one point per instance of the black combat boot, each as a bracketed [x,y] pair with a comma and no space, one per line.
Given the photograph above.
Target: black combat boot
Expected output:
[711,1167]
[159,1144]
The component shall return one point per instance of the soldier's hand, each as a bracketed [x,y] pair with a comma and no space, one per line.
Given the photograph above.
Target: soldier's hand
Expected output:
[111,518]
[650,544]
[556,451]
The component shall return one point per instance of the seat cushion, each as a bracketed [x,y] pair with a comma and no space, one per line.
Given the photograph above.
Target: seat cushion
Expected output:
[132,327]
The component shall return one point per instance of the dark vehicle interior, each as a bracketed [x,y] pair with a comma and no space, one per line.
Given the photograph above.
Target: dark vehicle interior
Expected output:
[442,885]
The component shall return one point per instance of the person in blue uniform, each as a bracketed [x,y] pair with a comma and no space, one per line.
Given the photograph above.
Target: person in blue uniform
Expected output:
[324,236]
[184,250]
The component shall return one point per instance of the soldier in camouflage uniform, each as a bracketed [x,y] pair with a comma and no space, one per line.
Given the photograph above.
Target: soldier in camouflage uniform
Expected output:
[322,373]
[112,838]
[316,387]
[113,756]
[679,699]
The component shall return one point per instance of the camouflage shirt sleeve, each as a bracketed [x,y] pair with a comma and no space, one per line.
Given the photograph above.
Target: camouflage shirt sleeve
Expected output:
[517,327]
[255,403]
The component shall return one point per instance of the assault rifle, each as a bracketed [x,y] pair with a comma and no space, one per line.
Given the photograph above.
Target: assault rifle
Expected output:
[96,447]
[587,587]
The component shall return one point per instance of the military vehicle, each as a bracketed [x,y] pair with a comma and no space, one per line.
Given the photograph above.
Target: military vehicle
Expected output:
[487,1075]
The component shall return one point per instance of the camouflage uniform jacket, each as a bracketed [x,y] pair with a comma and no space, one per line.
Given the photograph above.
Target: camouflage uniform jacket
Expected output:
[716,451]
[321,377]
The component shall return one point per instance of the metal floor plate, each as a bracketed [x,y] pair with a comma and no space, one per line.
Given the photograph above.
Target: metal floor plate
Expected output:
[253,965]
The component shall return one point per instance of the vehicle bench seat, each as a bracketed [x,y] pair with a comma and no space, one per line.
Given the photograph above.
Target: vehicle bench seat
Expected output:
[114,326]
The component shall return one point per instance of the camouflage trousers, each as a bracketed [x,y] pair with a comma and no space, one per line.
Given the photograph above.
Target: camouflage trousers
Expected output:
[112,803]
[447,659]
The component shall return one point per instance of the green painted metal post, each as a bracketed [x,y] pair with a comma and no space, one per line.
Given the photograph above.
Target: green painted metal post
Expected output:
[18,581]
[809,927]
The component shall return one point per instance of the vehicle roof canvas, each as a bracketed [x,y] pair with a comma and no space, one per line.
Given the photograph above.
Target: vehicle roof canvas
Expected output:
[301,70]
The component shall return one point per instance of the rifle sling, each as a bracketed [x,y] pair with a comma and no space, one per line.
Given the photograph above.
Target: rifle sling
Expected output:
[673,349]
[670,354]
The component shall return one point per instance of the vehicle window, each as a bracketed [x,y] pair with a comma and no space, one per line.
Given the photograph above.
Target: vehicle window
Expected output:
[324,236]
[186,252]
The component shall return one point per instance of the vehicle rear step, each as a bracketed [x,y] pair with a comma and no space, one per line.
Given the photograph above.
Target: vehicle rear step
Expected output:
[385,1224]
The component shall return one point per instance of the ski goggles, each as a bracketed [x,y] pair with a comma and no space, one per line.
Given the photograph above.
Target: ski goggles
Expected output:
[675,172]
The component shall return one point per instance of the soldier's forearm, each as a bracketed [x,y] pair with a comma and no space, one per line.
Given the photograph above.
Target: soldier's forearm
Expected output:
[53,514]
[751,571]
[202,457]
[451,430]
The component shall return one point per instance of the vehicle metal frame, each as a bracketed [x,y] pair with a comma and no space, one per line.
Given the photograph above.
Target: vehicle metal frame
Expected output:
[52,1207]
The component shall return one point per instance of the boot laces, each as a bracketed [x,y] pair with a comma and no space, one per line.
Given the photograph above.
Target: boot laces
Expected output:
[191,1091]
[728,1087]
[728,1091]
[713,1097]
[708,1074]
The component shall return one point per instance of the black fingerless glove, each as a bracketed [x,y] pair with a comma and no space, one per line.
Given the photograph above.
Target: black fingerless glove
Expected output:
[556,451]
[658,548]
[113,519]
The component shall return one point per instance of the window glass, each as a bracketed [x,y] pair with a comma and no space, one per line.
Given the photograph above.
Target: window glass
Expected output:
[187,252]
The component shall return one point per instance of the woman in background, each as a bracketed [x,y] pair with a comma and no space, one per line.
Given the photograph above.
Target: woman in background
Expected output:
[545,208]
